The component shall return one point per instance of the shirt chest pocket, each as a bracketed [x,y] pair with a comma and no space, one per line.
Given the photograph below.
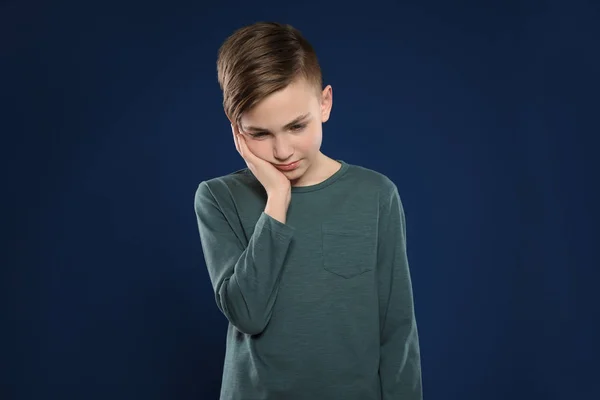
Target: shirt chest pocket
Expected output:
[348,250]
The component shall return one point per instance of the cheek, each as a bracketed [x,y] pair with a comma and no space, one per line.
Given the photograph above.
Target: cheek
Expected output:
[258,148]
[313,141]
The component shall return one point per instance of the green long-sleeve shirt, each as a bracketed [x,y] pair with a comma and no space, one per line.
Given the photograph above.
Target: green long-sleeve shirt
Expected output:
[320,307]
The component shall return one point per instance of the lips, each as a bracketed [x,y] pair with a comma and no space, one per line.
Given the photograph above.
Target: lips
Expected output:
[286,165]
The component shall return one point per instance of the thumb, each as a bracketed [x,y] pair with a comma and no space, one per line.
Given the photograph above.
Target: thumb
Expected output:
[235,129]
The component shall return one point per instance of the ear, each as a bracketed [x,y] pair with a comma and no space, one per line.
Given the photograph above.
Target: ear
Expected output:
[326,103]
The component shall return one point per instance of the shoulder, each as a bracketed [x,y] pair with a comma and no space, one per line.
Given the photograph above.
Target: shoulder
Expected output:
[369,179]
[224,186]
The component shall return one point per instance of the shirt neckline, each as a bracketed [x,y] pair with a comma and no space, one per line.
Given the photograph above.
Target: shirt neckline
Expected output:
[333,178]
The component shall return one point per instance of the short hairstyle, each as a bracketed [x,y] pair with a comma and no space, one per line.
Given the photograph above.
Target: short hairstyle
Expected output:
[260,59]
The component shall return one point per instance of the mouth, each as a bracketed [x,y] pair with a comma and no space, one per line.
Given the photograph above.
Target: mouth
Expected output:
[287,167]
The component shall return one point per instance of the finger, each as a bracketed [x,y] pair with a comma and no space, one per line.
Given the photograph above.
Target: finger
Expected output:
[235,139]
[244,146]
[244,151]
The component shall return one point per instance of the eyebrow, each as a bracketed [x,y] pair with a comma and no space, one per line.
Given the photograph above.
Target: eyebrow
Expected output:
[287,126]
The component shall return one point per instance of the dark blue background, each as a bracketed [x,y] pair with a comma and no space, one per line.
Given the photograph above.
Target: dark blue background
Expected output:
[483,113]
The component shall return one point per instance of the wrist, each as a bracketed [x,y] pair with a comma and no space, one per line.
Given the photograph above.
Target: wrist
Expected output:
[277,206]
[279,196]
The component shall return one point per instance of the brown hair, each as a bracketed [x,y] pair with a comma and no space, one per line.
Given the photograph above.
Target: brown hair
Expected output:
[260,59]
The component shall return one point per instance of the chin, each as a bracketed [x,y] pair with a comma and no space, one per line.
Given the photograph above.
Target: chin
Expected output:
[295,177]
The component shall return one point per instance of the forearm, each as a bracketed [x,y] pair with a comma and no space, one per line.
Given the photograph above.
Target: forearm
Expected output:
[247,296]
[277,206]
[400,365]
[400,362]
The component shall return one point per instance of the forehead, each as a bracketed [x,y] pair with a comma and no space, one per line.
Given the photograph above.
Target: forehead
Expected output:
[279,108]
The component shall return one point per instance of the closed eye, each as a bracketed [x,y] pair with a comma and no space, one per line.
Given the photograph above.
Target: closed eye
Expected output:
[258,134]
[297,127]
[293,128]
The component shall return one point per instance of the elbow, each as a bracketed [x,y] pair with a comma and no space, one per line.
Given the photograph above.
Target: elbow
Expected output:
[246,317]
[247,323]
[249,327]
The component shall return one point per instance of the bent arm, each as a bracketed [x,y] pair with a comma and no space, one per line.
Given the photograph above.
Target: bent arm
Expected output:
[245,279]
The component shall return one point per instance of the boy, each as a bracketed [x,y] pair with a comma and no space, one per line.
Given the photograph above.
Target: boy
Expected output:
[306,254]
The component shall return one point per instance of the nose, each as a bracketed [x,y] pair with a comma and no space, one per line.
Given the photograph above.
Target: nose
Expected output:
[282,150]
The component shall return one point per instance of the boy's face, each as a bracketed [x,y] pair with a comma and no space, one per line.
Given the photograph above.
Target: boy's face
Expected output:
[275,134]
